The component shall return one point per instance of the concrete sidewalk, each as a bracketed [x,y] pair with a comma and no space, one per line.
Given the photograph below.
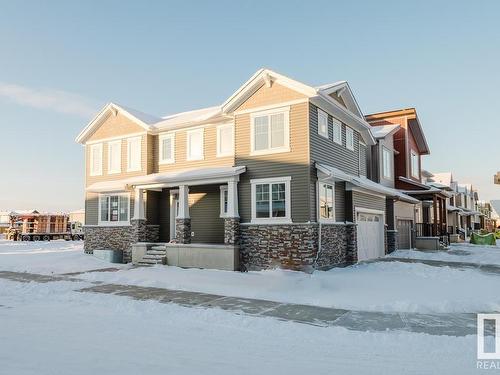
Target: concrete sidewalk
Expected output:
[432,324]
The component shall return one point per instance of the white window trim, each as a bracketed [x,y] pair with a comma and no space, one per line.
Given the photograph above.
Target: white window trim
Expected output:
[389,167]
[323,114]
[349,145]
[219,128]
[113,223]
[223,188]
[415,174]
[274,111]
[129,141]
[188,145]
[322,219]
[171,160]
[91,160]
[338,124]
[288,204]
[119,169]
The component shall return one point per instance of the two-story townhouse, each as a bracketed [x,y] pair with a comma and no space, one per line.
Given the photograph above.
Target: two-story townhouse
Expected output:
[410,144]
[401,212]
[276,176]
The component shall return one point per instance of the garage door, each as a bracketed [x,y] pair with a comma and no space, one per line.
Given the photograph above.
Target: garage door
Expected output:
[404,233]
[370,235]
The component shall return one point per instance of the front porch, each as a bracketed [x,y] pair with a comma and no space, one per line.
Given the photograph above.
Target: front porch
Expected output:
[188,219]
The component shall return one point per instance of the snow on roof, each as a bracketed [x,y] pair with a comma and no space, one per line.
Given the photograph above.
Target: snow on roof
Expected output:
[80,211]
[144,117]
[444,178]
[383,130]
[330,85]
[196,115]
[174,177]
[495,205]
[364,182]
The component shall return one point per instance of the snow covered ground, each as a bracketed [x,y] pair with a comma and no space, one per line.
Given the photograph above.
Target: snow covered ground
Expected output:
[51,329]
[47,257]
[386,287]
[461,252]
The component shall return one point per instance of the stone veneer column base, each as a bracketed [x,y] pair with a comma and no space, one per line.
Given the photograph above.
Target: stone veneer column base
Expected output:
[352,243]
[183,230]
[231,230]
[392,240]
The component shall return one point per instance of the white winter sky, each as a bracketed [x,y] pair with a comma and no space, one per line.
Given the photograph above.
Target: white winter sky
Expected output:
[60,62]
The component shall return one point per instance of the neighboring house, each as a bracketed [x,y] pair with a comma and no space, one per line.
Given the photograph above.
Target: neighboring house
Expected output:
[496,178]
[276,176]
[429,217]
[401,214]
[4,221]
[495,212]
[487,218]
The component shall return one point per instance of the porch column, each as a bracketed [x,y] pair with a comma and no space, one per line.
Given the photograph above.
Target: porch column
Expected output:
[183,220]
[139,205]
[232,220]
[435,213]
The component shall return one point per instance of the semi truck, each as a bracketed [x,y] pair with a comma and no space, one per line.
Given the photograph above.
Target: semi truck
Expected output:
[35,226]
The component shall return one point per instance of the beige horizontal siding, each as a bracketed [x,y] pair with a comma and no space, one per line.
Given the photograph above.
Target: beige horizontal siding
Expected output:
[265,96]
[181,162]
[294,163]
[116,176]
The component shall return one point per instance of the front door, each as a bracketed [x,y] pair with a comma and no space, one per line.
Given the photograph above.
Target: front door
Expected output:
[174,210]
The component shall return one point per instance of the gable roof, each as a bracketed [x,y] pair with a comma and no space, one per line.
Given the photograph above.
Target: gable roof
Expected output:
[413,124]
[319,96]
[143,119]
[343,90]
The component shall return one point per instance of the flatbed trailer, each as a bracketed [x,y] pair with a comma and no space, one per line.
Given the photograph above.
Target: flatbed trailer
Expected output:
[44,227]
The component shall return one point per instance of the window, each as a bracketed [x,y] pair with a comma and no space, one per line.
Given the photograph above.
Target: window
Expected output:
[225,140]
[337,131]
[349,138]
[167,148]
[322,123]
[326,209]
[362,159]
[134,154]
[414,165]
[271,200]
[96,159]
[223,201]
[115,156]
[386,163]
[194,147]
[114,209]
[270,132]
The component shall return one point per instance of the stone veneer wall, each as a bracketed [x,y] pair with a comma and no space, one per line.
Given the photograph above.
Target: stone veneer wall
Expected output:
[120,237]
[295,246]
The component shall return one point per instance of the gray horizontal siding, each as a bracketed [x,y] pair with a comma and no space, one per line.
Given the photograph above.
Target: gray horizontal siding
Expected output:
[363,161]
[327,151]
[362,200]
